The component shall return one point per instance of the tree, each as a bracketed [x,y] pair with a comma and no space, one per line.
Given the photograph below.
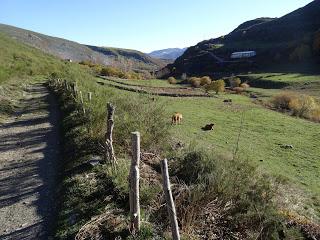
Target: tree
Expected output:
[172,80]
[217,86]
[195,82]
[234,82]
[205,80]
[316,43]
[300,53]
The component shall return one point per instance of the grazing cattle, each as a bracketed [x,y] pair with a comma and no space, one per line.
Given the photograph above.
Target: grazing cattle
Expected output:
[208,127]
[253,95]
[176,118]
[227,101]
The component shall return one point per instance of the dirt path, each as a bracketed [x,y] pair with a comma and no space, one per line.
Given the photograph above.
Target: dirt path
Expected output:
[29,153]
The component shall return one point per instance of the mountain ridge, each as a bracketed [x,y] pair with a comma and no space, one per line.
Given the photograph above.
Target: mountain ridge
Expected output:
[66,49]
[277,41]
[168,53]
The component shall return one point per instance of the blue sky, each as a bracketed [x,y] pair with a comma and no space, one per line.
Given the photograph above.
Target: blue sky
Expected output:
[144,25]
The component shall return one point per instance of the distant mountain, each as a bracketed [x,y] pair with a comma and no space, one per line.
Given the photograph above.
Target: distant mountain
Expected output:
[278,42]
[169,53]
[77,52]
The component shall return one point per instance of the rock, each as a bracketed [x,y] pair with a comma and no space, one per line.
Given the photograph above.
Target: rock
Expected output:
[95,160]
[23,225]
[287,146]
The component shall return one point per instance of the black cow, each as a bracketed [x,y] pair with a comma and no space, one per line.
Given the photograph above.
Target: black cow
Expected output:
[208,127]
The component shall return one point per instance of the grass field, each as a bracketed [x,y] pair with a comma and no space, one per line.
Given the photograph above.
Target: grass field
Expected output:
[262,134]
[151,83]
[289,78]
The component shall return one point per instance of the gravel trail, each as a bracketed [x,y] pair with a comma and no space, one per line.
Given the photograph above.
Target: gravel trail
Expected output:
[29,156]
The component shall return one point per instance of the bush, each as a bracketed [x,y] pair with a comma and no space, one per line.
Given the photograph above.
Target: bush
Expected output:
[172,80]
[195,82]
[222,193]
[205,81]
[316,43]
[116,72]
[300,53]
[301,106]
[314,115]
[111,72]
[282,100]
[217,86]
[234,82]
[238,90]
[244,85]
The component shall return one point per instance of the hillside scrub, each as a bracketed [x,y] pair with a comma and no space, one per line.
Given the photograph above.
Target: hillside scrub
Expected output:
[172,80]
[234,82]
[217,194]
[299,105]
[205,80]
[216,86]
[18,60]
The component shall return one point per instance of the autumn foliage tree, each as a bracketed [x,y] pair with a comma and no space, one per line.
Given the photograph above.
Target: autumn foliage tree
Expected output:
[300,53]
[316,43]
[217,86]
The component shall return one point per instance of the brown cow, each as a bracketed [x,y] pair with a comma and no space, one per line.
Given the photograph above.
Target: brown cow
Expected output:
[176,118]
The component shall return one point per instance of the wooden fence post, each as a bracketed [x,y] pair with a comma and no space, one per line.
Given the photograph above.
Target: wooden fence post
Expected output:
[134,184]
[75,90]
[110,151]
[90,96]
[169,200]
[82,103]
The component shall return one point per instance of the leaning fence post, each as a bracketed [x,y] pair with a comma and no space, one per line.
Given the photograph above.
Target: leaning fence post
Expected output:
[82,103]
[134,184]
[89,96]
[169,200]
[110,151]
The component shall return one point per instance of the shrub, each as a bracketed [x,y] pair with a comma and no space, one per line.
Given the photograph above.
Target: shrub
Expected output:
[316,43]
[301,106]
[195,82]
[234,82]
[282,100]
[172,80]
[244,85]
[111,72]
[222,193]
[314,115]
[300,53]
[205,80]
[238,90]
[217,86]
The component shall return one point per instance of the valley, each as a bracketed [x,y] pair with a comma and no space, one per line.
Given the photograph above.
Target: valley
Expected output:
[236,117]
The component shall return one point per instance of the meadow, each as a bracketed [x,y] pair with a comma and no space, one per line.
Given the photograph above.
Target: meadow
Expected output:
[262,132]
[254,132]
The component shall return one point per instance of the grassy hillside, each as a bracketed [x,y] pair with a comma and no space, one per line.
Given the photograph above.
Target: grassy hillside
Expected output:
[66,49]
[235,189]
[294,171]
[18,60]
[280,43]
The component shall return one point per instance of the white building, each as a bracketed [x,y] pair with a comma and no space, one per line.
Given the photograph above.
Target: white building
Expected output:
[246,54]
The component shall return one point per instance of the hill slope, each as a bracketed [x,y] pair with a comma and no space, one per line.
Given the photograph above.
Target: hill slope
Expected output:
[169,53]
[77,52]
[278,41]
